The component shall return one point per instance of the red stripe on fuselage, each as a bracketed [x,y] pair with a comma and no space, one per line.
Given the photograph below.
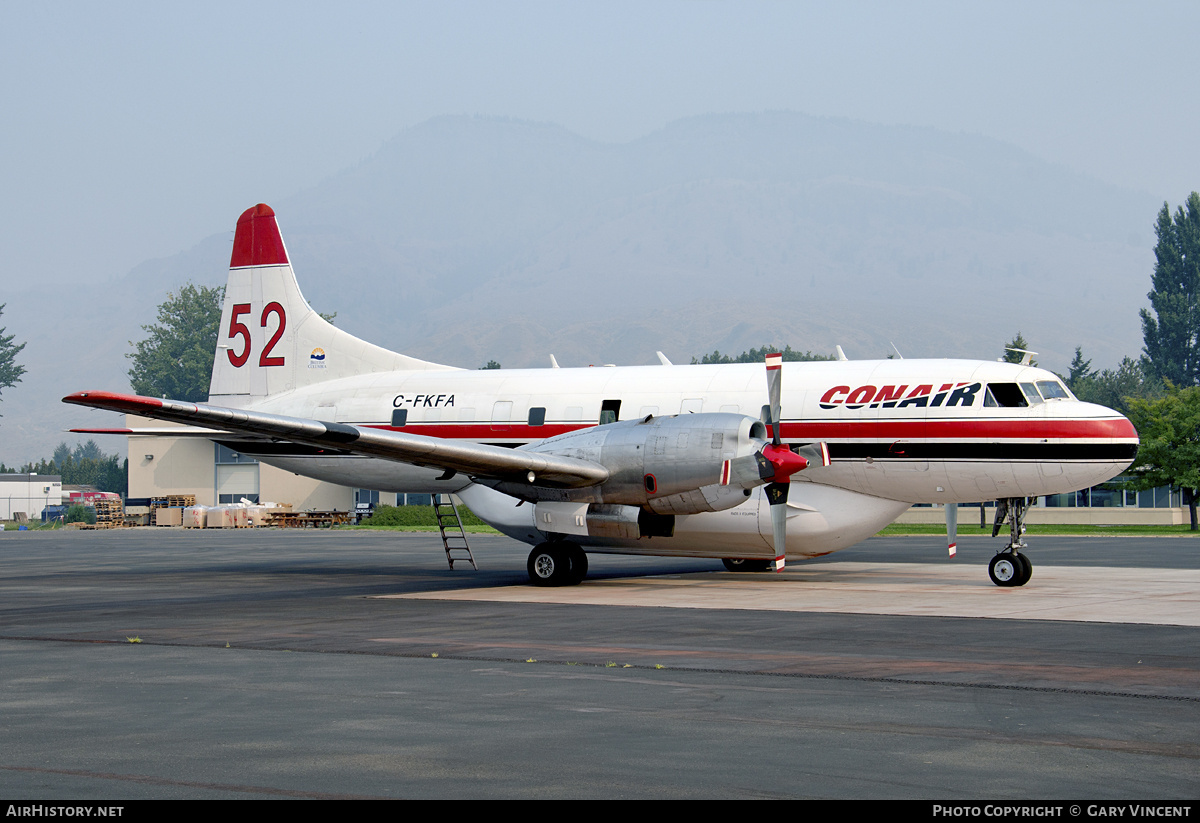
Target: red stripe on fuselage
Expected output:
[1118,428]
[1110,429]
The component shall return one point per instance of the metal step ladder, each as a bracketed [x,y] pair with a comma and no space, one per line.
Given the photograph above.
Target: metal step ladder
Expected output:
[454,536]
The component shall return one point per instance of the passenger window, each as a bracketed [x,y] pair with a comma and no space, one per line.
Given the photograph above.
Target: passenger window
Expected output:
[399,418]
[537,416]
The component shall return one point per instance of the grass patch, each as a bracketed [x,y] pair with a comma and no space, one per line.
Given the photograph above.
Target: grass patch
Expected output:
[419,519]
[422,519]
[468,529]
[33,525]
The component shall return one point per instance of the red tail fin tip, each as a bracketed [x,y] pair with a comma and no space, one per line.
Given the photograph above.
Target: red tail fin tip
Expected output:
[257,241]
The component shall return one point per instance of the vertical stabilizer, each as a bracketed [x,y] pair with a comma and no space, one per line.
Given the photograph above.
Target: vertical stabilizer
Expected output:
[270,340]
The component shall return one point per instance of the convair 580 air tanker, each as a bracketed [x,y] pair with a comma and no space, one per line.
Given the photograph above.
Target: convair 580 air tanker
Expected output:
[698,461]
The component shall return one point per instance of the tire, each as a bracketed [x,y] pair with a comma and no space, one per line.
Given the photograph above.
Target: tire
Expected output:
[578,560]
[741,564]
[1005,569]
[1026,570]
[548,565]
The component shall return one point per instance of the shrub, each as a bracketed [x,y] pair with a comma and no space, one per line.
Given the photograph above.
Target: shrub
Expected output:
[79,513]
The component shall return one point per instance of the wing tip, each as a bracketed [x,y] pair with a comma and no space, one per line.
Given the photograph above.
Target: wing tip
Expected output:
[113,401]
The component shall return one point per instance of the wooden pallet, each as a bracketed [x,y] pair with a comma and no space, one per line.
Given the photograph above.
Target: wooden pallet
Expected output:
[316,520]
[110,514]
[173,501]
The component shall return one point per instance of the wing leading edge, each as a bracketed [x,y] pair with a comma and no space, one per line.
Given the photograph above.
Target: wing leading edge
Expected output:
[472,459]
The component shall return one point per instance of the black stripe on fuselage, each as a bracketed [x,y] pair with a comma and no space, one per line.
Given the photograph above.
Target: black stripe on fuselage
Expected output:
[968,451]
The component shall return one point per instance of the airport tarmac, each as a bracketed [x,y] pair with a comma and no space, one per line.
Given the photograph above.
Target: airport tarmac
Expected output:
[355,664]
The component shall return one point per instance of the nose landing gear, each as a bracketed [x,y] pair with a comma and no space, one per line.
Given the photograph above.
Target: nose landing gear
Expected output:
[1009,567]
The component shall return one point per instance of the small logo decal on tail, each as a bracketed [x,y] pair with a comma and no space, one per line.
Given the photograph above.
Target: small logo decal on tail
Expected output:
[316,360]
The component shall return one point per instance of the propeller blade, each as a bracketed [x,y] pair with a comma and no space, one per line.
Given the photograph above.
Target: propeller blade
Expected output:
[777,495]
[815,453]
[774,388]
[952,527]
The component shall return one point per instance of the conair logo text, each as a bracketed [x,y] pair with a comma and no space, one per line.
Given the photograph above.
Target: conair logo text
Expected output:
[316,360]
[898,397]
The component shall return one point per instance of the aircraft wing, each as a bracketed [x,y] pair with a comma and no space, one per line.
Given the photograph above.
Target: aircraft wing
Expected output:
[174,431]
[472,459]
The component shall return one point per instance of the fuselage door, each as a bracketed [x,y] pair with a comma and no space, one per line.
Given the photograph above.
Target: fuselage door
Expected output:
[501,415]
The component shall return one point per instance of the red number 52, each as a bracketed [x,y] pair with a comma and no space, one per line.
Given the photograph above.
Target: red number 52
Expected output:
[239,329]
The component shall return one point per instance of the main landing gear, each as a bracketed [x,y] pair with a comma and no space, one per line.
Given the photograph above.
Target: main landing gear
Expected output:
[1009,567]
[557,563]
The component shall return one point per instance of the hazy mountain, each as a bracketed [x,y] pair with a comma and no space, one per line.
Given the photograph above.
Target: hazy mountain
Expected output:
[465,239]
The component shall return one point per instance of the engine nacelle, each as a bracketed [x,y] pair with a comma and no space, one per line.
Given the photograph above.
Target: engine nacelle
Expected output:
[669,465]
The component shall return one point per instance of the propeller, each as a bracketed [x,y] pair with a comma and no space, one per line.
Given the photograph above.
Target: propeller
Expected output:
[783,461]
[775,463]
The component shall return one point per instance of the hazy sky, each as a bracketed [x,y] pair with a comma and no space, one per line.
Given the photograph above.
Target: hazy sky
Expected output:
[132,130]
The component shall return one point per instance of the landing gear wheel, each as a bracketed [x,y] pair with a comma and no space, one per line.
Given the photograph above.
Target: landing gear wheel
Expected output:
[1026,570]
[741,564]
[1006,569]
[557,564]
[579,563]
[1010,567]
[548,565]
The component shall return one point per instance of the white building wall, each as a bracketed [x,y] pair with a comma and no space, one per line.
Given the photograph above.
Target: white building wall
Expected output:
[160,466]
[29,493]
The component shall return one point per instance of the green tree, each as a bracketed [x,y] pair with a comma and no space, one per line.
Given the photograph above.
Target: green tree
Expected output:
[176,359]
[86,465]
[759,354]
[491,364]
[1169,454]
[1080,369]
[1172,333]
[1116,387]
[1018,342]
[10,370]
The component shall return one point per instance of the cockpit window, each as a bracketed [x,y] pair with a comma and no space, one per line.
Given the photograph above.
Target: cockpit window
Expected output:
[1008,395]
[1031,393]
[1052,390]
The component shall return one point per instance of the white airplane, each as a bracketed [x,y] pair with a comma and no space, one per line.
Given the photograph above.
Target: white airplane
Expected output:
[652,460]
